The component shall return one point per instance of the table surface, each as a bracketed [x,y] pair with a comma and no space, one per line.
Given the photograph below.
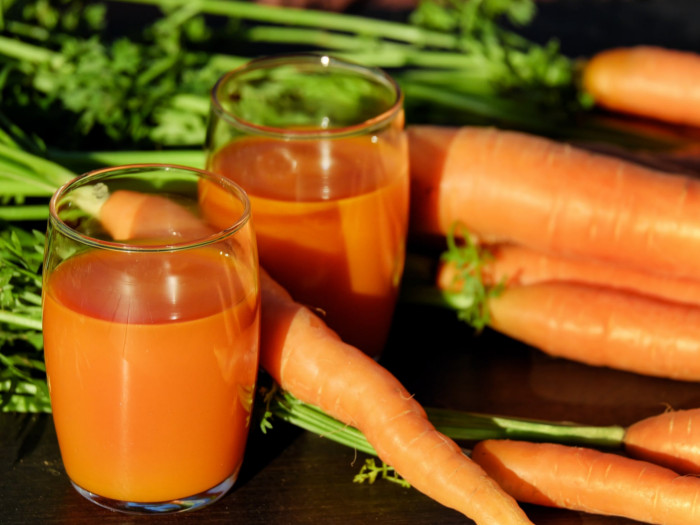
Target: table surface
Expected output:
[294,477]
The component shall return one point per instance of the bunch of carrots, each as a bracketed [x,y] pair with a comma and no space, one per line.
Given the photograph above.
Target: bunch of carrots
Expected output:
[586,257]
[598,257]
[592,258]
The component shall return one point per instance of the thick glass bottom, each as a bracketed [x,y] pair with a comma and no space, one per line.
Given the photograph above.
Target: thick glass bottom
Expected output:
[189,503]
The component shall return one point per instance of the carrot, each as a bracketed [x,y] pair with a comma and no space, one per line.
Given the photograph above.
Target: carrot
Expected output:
[127,214]
[670,439]
[512,187]
[602,327]
[647,81]
[591,481]
[592,324]
[310,361]
[133,215]
[517,265]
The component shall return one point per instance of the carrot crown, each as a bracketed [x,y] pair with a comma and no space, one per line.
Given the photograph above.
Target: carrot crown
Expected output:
[468,295]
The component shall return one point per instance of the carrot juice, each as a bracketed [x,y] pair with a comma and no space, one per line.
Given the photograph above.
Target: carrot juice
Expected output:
[331,221]
[152,362]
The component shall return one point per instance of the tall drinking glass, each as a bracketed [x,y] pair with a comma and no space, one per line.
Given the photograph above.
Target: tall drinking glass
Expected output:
[318,145]
[151,330]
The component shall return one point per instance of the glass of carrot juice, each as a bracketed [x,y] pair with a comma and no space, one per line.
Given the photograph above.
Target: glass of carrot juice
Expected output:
[151,333]
[318,145]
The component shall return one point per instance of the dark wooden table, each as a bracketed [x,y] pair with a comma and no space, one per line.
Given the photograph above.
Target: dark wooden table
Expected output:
[293,477]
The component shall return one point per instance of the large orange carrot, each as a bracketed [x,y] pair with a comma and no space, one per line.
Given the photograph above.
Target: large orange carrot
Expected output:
[587,480]
[510,186]
[516,265]
[647,81]
[311,362]
[602,327]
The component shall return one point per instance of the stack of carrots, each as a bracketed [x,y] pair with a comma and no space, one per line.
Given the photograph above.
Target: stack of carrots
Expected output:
[597,260]
[600,258]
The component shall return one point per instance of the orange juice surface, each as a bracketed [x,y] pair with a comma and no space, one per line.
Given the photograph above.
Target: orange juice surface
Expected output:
[152,361]
[331,220]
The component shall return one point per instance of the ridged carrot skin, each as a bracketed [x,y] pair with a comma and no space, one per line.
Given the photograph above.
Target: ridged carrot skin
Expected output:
[508,186]
[646,81]
[311,362]
[603,327]
[516,265]
[591,481]
[671,439]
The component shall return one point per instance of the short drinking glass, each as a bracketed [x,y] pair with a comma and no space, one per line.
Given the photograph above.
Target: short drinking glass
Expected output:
[151,330]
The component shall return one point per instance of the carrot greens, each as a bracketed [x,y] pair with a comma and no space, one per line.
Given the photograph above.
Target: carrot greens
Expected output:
[470,300]
[146,90]
[461,426]
[64,63]
[26,182]
[469,295]
[22,374]
[370,471]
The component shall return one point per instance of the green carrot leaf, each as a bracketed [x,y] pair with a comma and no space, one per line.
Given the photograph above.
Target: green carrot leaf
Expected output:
[22,371]
[470,297]
[370,471]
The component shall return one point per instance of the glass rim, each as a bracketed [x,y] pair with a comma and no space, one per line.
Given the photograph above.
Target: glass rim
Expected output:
[98,174]
[325,60]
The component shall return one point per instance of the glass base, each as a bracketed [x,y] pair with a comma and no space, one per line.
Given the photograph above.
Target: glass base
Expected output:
[161,507]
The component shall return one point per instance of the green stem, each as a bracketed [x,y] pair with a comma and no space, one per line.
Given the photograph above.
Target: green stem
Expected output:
[524,115]
[457,425]
[312,419]
[18,185]
[31,298]
[24,52]
[27,30]
[466,63]
[226,62]
[44,170]
[33,212]
[88,160]
[467,426]
[18,181]
[308,37]
[320,19]
[19,320]
[500,109]
[398,54]
[191,103]
[377,52]
[478,82]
